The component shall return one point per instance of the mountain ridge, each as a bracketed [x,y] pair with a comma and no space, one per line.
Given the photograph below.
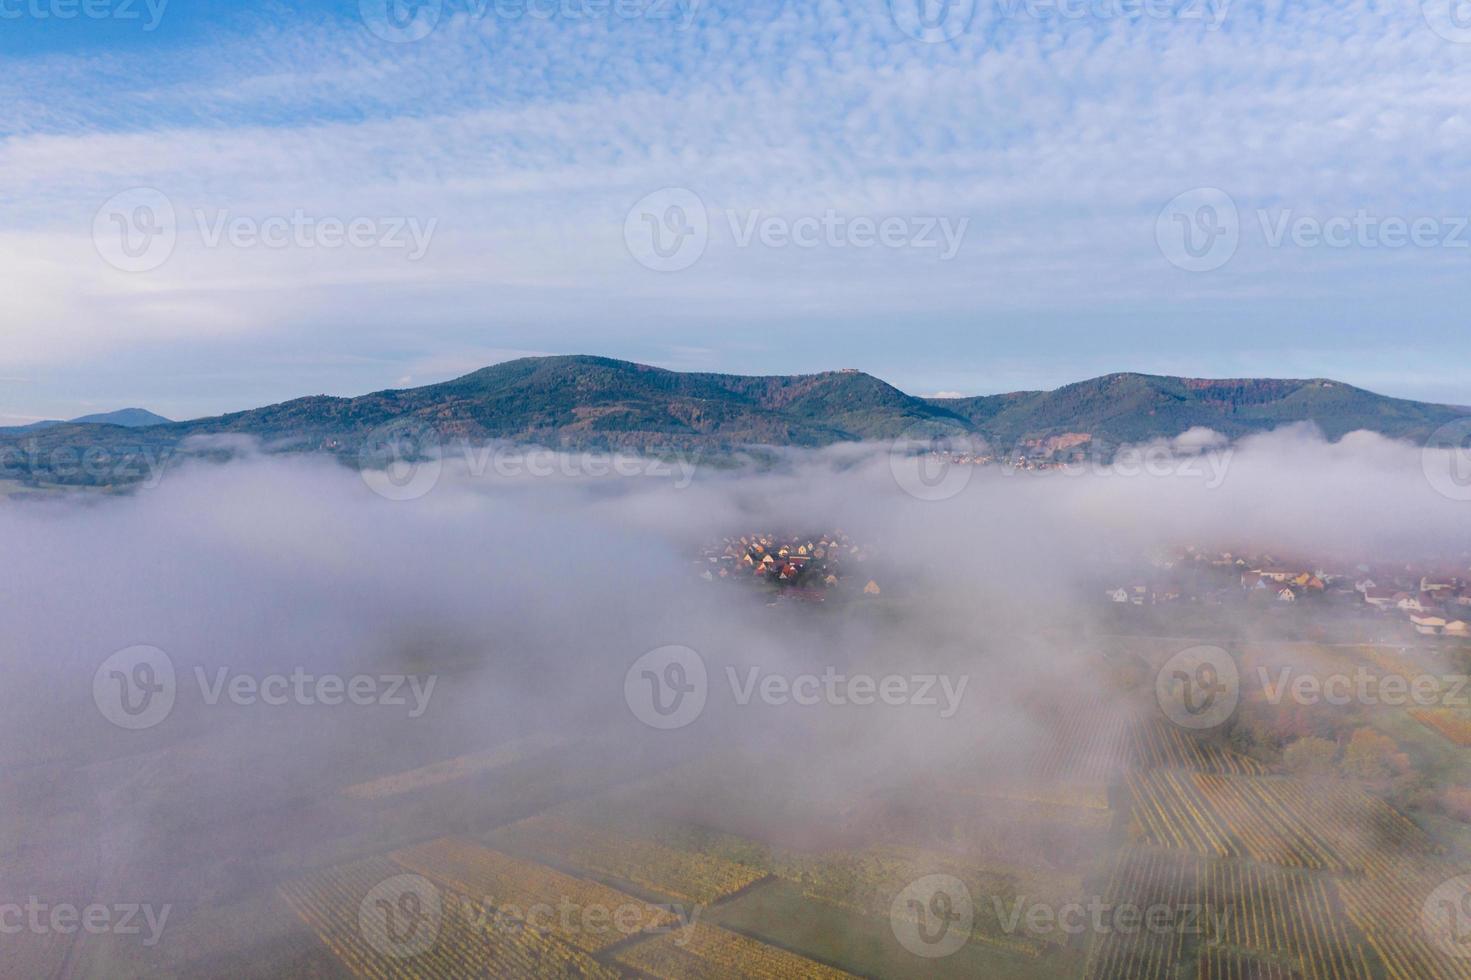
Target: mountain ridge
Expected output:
[592,402]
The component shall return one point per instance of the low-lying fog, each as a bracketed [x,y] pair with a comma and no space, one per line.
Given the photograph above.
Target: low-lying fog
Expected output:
[493,608]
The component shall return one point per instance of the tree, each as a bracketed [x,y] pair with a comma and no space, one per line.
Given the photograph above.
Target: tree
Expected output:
[1310,756]
[1373,757]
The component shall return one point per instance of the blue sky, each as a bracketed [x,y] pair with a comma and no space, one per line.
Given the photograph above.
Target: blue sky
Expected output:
[1176,186]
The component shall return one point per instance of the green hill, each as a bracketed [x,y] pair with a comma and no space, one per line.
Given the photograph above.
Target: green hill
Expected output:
[596,402]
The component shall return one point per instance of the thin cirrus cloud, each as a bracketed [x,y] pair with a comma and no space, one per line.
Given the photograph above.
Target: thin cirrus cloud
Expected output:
[525,140]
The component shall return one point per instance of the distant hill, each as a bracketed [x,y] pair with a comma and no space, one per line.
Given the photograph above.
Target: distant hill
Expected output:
[598,402]
[130,418]
[1123,408]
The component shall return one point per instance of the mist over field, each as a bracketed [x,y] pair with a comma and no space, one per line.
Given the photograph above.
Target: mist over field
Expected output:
[493,612]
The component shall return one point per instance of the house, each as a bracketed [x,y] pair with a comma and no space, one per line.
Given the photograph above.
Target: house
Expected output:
[1287,594]
[1410,603]
[1380,598]
[1428,625]
[872,588]
[1458,627]
[1120,595]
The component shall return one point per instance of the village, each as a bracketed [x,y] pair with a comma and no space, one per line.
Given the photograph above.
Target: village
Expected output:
[804,568]
[1426,598]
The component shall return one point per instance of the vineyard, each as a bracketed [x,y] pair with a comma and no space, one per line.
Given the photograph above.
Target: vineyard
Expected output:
[1094,743]
[710,953]
[1272,819]
[502,881]
[1453,724]
[694,877]
[1389,909]
[1223,964]
[329,902]
[1221,906]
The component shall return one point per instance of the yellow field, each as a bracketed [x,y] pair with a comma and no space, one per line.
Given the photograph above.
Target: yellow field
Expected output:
[1449,722]
[449,770]
[1160,745]
[498,880]
[696,878]
[710,953]
[329,902]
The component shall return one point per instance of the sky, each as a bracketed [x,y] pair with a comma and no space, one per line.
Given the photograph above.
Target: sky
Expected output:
[210,206]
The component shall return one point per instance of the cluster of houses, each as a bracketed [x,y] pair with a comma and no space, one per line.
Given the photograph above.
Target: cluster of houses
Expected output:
[1436,600]
[803,567]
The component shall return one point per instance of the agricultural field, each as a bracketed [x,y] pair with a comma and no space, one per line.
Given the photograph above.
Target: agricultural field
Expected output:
[500,880]
[455,944]
[1452,723]
[712,953]
[1272,819]
[698,878]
